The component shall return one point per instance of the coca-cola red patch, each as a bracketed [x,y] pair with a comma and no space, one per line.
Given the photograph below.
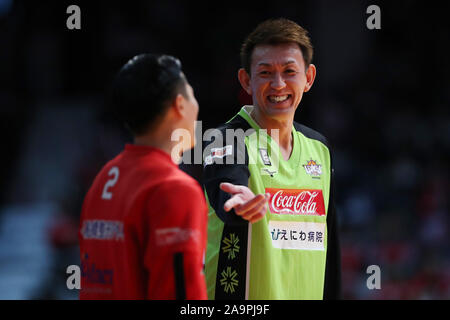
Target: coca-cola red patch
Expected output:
[296,201]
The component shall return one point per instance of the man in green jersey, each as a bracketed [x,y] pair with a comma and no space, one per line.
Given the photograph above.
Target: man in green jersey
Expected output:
[272,229]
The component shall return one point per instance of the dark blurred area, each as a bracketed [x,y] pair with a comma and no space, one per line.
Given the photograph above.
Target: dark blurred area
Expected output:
[381,97]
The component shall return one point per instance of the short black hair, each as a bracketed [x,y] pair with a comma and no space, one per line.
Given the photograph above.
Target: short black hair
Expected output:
[143,88]
[274,32]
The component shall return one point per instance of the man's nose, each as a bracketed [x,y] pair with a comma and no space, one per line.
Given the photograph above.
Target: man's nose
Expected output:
[277,81]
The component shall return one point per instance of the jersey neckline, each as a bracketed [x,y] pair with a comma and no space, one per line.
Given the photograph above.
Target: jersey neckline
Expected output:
[147,150]
[295,154]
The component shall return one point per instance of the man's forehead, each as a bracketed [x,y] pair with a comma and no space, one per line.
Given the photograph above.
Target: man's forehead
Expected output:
[283,54]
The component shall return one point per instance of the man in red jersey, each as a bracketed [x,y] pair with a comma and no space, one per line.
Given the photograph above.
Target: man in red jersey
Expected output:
[143,223]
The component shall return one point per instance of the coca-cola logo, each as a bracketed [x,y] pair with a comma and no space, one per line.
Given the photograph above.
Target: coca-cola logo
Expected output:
[296,202]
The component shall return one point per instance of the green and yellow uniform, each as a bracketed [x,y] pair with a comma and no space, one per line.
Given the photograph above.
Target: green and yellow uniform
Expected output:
[293,252]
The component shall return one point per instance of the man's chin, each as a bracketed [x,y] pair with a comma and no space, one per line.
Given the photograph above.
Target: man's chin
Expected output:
[280,112]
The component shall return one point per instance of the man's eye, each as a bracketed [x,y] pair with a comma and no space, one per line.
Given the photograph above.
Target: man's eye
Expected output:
[264,73]
[292,71]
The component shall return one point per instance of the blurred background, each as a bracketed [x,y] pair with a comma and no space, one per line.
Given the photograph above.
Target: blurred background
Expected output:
[381,97]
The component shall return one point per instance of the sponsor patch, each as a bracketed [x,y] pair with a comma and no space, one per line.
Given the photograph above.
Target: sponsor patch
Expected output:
[169,236]
[94,275]
[296,201]
[102,230]
[313,168]
[219,153]
[297,235]
[265,156]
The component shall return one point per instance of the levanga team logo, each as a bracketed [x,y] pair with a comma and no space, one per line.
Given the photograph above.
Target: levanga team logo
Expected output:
[313,168]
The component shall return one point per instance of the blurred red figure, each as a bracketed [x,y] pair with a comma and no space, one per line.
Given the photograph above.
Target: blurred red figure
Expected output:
[143,223]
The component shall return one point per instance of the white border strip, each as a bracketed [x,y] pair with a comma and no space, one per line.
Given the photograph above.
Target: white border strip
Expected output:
[247,275]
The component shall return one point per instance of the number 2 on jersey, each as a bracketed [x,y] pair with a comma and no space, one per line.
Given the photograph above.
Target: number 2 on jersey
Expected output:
[114,172]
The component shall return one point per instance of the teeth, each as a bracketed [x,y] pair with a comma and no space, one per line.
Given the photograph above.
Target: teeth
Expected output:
[278,98]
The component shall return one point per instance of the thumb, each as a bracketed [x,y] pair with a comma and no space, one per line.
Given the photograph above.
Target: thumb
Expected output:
[230,188]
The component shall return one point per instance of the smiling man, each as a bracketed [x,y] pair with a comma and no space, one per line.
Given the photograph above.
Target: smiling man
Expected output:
[272,229]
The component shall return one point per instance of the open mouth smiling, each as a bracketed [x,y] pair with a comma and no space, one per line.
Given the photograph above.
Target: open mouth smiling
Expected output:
[278,98]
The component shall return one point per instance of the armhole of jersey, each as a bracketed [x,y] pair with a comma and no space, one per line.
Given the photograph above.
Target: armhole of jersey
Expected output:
[232,268]
[332,282]
[311,134]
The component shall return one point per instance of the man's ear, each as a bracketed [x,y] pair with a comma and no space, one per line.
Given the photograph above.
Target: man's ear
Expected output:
[244,79]
[310,76]
[178,106]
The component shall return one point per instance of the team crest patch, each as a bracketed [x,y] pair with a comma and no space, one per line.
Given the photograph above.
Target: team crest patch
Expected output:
[313,168]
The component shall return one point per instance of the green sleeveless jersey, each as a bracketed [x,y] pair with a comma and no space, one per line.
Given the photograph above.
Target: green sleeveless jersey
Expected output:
[293,252]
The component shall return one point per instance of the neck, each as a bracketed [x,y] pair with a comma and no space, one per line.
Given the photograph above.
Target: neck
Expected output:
[160,138]
[279,130]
